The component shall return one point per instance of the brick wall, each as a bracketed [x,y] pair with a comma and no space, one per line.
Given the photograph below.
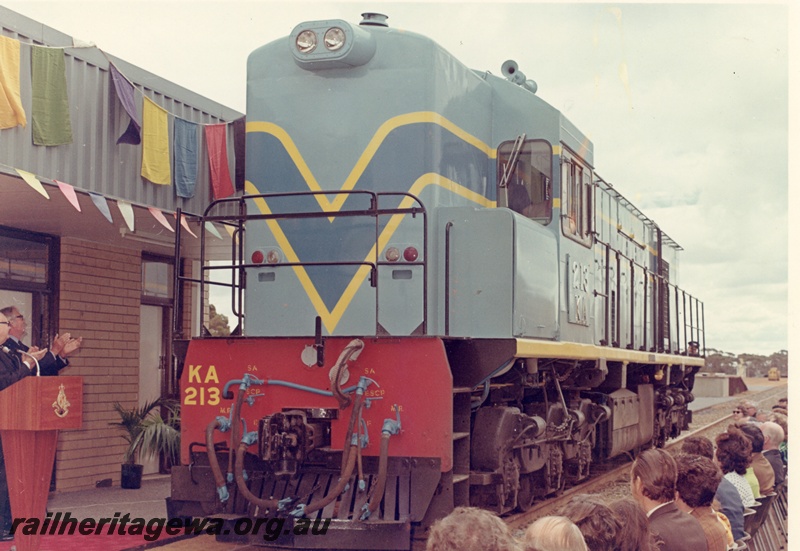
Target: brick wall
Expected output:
[100,297]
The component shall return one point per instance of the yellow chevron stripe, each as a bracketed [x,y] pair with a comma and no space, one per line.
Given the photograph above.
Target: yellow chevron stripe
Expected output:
[331,318]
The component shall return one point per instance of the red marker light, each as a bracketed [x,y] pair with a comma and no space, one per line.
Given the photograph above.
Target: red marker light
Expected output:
[257,257]
[410,254]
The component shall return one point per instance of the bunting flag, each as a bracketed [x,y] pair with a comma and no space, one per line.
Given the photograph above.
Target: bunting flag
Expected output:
[126,210]
[158,215]
[184,146]
[101,204]
[155,146]
[11,112]
[69,192]
[239,136]
[50,112]
[212,229]
[33,181]
[218,160]
[124,88]
[184,223]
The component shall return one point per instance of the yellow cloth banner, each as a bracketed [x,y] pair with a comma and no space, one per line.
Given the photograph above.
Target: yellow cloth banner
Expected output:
[155,144]
[11,112]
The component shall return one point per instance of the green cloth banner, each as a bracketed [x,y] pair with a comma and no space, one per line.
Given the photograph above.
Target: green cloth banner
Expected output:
[51,122]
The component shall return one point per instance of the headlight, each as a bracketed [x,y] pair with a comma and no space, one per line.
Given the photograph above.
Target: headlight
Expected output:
[334,39]
[306,41]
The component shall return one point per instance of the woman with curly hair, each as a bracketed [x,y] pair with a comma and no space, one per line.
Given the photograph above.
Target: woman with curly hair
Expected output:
[471,529]
[733,457]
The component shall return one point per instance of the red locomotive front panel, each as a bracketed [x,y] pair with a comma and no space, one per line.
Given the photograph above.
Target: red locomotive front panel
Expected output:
[406,380]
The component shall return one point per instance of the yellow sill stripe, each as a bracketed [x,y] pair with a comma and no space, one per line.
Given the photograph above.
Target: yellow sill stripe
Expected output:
[529,348]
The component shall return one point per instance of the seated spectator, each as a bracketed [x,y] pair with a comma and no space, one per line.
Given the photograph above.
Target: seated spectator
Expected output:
[596,521]
[634,533]
[727,503]
[470,529]
[733,457]
[773,437]
[698,445]
[749,409]
[782,421]
[653,478]
[554,534]
[764,472]
[698,479]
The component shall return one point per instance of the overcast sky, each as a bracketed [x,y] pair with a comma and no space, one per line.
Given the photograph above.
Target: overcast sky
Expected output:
[687,106]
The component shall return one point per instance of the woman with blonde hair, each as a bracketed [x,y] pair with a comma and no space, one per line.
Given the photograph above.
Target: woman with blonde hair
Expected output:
[554,534]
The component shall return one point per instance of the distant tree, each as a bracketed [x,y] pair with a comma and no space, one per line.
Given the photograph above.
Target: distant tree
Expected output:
[217,323]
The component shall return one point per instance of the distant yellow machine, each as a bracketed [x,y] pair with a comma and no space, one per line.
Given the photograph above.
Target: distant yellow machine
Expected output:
[774,374]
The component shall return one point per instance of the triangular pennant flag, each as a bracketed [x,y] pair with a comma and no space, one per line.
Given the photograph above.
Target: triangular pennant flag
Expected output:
[101,204]
[33,181]
[126,210]
[229,229]
[212,229]
[124,88]
[11,111]
[158,215]
[216,141]
[184,223]
[50,105]
[155,146]
[69,192]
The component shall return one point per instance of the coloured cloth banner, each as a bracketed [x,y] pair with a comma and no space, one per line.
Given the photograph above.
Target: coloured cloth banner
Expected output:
[238,152]
[50,111]
[155,146]
[184,146]
[11,112]
[124,89]
[218,160]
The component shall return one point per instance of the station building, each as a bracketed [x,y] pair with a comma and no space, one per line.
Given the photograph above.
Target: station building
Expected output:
[87,243]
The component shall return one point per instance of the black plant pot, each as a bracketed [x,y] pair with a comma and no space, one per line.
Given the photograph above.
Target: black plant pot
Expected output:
[131,478]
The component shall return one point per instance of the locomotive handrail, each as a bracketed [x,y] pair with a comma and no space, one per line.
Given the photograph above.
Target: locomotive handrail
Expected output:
[694,328]
[237,220]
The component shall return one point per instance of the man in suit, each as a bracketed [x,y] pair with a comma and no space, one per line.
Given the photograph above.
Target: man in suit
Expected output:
[50,361]
[653,478]
[773,436]
[12,369]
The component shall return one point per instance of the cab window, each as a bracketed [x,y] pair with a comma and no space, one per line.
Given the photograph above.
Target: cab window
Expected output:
[524,178]
[576,200]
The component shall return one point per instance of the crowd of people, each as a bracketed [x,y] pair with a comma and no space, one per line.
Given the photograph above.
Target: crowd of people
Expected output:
[693,500]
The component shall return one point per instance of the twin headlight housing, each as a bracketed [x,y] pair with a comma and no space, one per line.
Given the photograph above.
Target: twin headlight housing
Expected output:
[331,43]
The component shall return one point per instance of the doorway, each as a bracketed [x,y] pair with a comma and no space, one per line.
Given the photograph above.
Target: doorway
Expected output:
[151,364]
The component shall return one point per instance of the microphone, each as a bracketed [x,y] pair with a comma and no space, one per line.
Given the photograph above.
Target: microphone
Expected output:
[31,357]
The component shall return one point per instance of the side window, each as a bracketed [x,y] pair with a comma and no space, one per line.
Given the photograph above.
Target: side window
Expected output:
[576,200]
[524,173]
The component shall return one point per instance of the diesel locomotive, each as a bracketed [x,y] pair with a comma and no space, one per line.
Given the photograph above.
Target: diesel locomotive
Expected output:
[437,301]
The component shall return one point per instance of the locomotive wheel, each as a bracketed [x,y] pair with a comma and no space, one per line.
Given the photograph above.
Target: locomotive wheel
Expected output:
[525,495]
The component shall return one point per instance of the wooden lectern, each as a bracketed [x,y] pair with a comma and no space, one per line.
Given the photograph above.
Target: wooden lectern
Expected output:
[32,411]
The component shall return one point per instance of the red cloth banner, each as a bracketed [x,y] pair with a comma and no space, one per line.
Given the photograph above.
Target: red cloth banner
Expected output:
[216,142]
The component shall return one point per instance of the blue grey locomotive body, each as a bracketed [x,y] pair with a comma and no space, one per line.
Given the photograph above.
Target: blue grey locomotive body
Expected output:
[396,196]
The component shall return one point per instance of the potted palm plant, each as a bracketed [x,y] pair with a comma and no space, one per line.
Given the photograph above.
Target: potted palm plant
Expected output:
[147,434]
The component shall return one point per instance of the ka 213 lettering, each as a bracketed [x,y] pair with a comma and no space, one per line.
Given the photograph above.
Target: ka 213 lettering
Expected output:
[199,390]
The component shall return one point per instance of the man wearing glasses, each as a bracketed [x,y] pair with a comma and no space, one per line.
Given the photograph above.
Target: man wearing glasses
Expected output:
[12,369]
[50,361]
